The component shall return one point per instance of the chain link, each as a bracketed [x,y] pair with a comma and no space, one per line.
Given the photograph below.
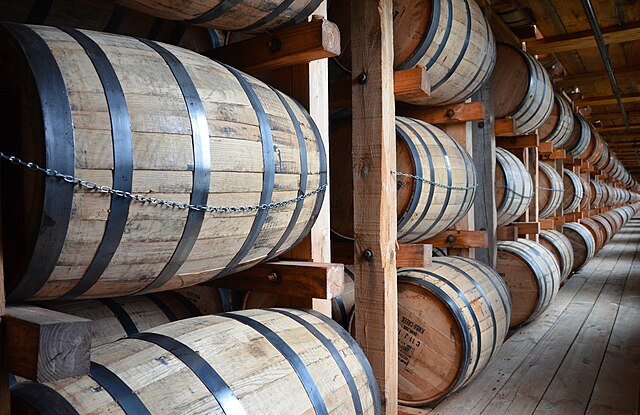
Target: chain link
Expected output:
[155,201]
[432,183]
[550,189]
[508,189]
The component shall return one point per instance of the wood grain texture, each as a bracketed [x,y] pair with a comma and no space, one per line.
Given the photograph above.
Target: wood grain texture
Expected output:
[375,213]
[299,44]
[45,345]
[585,39]
[447,114]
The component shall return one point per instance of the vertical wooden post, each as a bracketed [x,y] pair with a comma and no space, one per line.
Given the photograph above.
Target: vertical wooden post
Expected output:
[484,159]
[375,211]
[559,167]
[461,132]
[532,157]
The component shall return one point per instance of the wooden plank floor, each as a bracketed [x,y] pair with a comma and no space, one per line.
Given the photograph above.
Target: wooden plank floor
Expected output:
[581,356]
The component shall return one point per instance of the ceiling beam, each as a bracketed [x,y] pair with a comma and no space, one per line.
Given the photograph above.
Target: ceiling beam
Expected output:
[584,39]
[618,128]
[611,116]
[607,100]
[599,76]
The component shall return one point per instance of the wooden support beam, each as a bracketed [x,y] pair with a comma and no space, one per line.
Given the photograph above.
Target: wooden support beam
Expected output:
[613,116]
[546,148]
[558,220]
[620,127]
[548,223]
[523,141]
[408,255]
[499,28]
[505,127]
[448,114]
[590,78]
[375,194]
[527,228]
[459,239]
[288,278]
[582,40]
[507,233]
[44,345]
[607,100]
[408,410]
[558,155]
[410,83]
[302,43]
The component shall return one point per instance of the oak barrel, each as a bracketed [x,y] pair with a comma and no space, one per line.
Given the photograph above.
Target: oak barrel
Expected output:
[596,193]
[599,228]
[615,220]
[573,191]
[580,137]
[514,187]
[275,361]
[550,190]
[521,89]
[450,38]
[596,147]
[582,241]
[452,317]
[155,120]
[607,228]
[558,127]
[560,246]
[248,16]
[117,318]
[107,16]
[601,161]
[533,276]
[586,194]
[425,207]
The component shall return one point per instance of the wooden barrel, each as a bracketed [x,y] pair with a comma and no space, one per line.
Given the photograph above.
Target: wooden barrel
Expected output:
[521,89]
[107,16]
[573,192]
[558,127]
[247,16]
[255,362]
[560,246]
[606,226]
[627,212]
[596,193]
[614,219]
[450,38]
[582,241]
[533,276]
[439,252]
[117,318]
[514,187]
[603,159]
[580,137]
[342,305]
[425,207]
[586,194]
[596,147]
[599,228]
[452,318]
[158,121]
[550,190]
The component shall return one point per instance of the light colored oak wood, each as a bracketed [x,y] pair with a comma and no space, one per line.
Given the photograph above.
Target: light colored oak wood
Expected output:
[460,239]
[514,187]
[582,40]
[582,242]
[561,248]
[375,213]
[448,114]
[607,100]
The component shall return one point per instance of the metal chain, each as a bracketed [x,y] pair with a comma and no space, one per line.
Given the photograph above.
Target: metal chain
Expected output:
[508,189]
[432,183]
[155,201]
[550,189]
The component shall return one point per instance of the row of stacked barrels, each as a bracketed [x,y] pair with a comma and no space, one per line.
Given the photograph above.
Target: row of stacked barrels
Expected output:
[140,167]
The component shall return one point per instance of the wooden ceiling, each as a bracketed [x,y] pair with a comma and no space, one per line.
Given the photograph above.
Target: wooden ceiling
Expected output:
[567,34]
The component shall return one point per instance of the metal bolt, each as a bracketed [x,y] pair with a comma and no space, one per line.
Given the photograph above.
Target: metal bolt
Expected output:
[450,113]
[273,277]
[368,255]
[275,45]
[451,239]
[481,124]
[362,78]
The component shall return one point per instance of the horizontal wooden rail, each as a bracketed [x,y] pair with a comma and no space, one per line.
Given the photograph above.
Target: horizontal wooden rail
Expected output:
[523,141]
[448,114]
[407,255]
[460,239]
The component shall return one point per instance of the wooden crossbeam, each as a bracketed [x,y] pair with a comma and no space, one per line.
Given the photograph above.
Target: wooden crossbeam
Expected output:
[460,239]
[523,141]
[288,278]
[618,127]
[299,44]
[448,114]
[44,345]
[607,100]
[588,78]
[584,39]
[505,127]
[407,255]
[613,116]
[407,84]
